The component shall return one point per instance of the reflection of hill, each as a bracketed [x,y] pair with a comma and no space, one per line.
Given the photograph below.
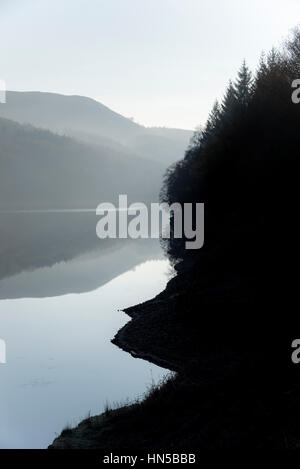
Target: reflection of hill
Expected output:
[82,274]
[32,243]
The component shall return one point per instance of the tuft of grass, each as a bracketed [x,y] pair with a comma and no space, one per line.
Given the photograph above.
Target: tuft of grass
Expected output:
[67,430]
[107,409]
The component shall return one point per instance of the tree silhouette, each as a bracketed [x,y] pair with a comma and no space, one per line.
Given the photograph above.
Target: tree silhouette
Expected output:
[229,104]
[213,123]
[243,86]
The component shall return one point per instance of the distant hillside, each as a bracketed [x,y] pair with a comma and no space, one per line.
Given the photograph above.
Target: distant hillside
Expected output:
[40,169]
[92,122]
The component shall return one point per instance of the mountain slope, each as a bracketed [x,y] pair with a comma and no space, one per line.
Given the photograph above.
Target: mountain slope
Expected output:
[42,170]
[92,122]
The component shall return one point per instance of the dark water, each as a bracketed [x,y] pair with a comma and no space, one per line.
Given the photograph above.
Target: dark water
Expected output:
[60,289]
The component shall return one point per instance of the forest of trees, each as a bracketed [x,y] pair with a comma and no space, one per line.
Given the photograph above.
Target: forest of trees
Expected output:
[244,166]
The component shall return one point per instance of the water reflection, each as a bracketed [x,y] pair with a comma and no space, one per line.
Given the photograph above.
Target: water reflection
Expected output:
[61,289]
[50,254]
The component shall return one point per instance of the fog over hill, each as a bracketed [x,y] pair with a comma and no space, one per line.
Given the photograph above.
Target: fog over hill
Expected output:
[92,122]
[40,169]
[70,152]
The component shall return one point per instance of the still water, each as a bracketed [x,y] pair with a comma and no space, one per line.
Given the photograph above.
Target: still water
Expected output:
[58,313]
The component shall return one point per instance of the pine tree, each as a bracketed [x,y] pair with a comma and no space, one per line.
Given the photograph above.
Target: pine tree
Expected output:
[262,69]
[196,139]
[214,116]
[273,59]
[244,86]
[229,104]
[213,123]
[293,54]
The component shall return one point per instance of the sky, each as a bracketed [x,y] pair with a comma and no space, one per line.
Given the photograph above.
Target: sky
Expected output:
[161,62]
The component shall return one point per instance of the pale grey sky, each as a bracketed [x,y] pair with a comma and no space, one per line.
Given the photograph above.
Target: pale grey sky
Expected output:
[162,62]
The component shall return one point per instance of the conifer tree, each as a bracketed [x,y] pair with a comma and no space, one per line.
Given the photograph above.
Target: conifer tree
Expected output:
[273,59]
[213,122]
[262,69]
[293,54]
[214,116]
[243,86]
[229,104]
[196,139]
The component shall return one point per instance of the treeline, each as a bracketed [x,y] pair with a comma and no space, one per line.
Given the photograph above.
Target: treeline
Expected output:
[244,166]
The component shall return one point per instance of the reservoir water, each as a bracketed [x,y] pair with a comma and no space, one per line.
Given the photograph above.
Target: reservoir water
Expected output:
[61,297]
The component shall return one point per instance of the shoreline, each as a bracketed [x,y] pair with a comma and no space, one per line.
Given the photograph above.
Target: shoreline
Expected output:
[127,339]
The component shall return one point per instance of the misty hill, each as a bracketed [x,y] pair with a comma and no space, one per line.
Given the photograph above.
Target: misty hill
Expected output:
[40,169]
[92,122]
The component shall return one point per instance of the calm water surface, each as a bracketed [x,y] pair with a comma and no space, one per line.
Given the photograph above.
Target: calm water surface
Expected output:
[61,365]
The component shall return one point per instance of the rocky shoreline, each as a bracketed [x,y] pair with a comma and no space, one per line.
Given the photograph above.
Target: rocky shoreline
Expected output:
[87,434]
[127,337]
